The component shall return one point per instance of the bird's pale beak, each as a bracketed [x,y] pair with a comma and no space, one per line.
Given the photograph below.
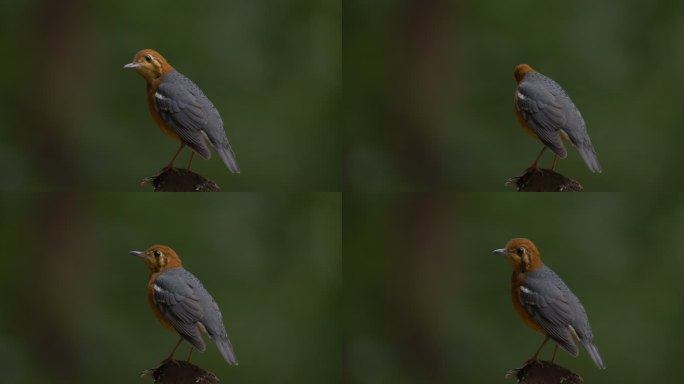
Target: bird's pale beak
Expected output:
[132,65]
[137,253]
[500,252]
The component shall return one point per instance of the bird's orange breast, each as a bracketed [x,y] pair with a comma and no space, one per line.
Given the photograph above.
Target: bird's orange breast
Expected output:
[521,119]
[522,312]
[151,90]
[157,313]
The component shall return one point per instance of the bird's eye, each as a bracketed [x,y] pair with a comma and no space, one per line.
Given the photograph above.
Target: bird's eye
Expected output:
[520,251]
[148,58]
[157,253]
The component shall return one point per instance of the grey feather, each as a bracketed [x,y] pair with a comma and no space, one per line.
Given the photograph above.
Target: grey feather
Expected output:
[548,110]
[192,116]
[185,302]
[557,310]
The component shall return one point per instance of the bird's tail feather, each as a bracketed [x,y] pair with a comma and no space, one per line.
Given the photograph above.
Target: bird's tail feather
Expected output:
[593,352]
[588,154]
[226,348]
[228,156]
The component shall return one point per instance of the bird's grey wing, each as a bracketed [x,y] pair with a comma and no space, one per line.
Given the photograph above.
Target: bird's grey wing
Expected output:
[179,106]
[543,113]
[550,308]
[178,302]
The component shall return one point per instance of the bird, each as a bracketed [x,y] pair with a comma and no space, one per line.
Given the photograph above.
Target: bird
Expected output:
[181,303]
[546,112]
[545,303]
[181,110]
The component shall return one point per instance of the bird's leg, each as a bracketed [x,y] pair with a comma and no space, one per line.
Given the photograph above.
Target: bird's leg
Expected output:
[553,164]
[170,358]
[190,354]
[553,358]
[540,347]
[192,154]
[534,358]
[536,161]
[173,159]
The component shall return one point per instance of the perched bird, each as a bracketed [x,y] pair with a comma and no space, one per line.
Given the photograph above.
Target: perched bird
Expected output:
[181,303]
[546,113]
[181,109]
[545,303]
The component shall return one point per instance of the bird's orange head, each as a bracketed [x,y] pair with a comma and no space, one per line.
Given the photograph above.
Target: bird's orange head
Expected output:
[150,64]
[159,258]
[522,254]
[521,70]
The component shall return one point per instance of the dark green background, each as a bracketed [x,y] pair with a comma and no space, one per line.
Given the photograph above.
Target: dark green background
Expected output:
[71,118]
[429,89]
[427,302]
[74,306]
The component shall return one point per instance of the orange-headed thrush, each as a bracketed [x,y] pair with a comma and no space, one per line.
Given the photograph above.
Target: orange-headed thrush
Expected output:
[181,302]
[181,110]
[545,303]
[546,112]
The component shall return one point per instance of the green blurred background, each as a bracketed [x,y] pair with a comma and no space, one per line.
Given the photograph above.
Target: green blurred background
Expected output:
[429,90]
[71,118]
[427,302]
[74,305]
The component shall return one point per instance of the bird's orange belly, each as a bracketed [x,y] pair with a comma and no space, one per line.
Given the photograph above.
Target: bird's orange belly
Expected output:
[157,313]
[524,125]
[157,119]
[515,292]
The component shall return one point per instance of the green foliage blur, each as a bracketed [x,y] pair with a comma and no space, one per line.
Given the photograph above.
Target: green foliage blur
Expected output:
[430,84]
[74,305]
[72,118]
[426,301]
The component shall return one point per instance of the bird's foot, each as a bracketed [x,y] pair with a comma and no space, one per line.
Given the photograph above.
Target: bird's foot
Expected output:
[168,360]
[167,168]
[163,363]
[520,371]
[533,168]
[544,372]
[531,361]
[543,180]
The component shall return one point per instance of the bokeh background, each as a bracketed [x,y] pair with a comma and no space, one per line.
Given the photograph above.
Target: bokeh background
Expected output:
[71,118]
[429,88]
[73,305]
[427,302]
